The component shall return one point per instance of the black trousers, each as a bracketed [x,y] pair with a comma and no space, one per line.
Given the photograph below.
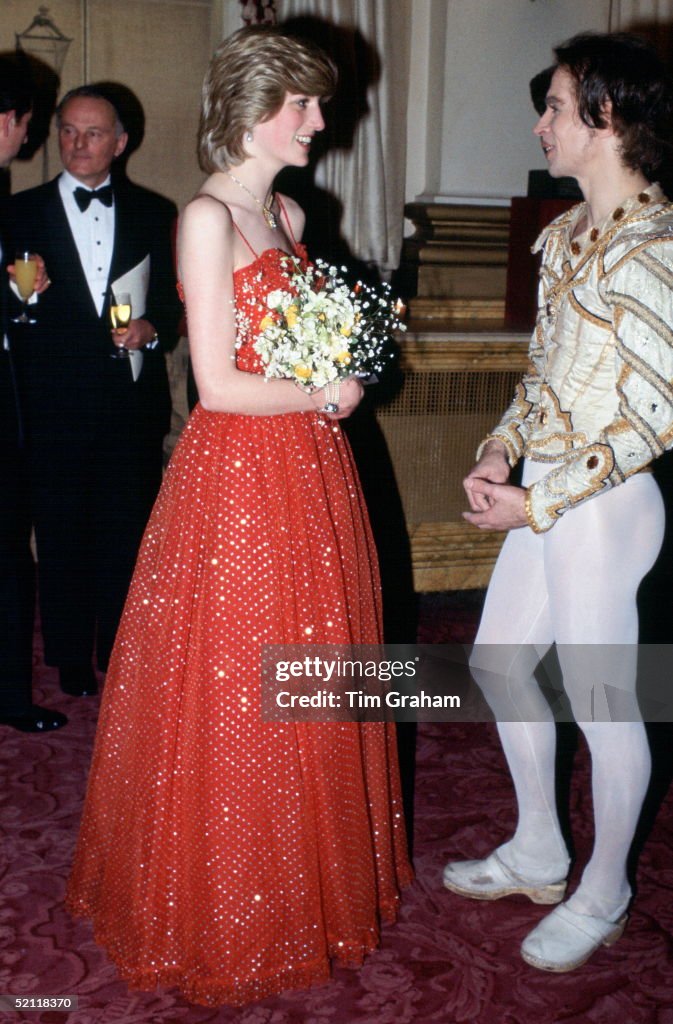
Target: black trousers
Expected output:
[17,571]
[91,499]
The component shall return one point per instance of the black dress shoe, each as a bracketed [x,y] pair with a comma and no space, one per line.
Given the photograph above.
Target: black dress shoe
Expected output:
[36,719]
[78,680]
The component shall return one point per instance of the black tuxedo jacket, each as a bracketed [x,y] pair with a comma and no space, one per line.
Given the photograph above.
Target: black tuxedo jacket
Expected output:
[10,429]
[69,386]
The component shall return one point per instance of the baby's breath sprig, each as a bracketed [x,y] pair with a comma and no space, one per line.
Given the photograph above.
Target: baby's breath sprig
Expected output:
[319,329]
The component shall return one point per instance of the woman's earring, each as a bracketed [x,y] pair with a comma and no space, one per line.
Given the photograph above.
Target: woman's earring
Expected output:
[248,136]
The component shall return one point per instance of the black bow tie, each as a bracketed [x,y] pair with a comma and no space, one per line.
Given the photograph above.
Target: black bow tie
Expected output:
[83,196]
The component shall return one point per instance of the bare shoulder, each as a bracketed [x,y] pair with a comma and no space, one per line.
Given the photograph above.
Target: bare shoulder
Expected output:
[206,240]
[206,216]
[295,214]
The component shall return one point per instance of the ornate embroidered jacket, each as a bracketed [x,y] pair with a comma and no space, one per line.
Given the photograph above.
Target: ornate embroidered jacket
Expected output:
[597,401]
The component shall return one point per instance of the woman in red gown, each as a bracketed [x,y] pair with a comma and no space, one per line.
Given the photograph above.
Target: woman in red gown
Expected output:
[226,855]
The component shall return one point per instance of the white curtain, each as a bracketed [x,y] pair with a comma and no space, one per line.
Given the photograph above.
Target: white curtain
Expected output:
[626,13]
[369,178]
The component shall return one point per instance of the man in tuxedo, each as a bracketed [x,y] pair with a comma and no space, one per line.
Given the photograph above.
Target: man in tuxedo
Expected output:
[94,423]
[17,575]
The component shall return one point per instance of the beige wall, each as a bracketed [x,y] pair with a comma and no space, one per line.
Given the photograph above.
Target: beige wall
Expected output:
[159,49]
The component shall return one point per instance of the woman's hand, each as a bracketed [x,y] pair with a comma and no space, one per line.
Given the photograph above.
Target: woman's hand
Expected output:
[350,396]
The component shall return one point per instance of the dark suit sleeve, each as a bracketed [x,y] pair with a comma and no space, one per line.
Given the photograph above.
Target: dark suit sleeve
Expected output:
[163,305]
[5,250]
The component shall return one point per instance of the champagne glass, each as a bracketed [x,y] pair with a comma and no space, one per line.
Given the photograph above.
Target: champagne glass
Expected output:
[25,270]
[120,317]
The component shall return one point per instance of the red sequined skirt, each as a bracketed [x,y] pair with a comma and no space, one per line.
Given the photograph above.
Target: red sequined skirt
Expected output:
[232,857]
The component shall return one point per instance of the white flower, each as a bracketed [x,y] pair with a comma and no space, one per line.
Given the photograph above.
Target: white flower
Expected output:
[276,298]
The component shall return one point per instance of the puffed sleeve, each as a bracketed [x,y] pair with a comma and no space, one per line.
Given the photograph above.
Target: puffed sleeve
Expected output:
[637,287]
[515,426]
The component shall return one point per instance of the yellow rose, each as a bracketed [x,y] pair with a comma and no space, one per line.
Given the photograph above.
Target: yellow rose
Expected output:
[346,331]
[344,358]
[267,322]
[301,371]
[291,315]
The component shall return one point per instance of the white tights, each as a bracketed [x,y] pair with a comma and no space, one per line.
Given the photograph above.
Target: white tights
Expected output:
[574,585]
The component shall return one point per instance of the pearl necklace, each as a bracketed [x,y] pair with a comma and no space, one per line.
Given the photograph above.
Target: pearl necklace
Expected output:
[267,212]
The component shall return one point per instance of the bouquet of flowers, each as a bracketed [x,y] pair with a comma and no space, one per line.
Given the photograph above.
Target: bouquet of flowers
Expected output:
[319,330]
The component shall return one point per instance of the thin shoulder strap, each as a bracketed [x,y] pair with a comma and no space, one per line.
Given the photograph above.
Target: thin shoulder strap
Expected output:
[287,221]
[236,227]
[240,233]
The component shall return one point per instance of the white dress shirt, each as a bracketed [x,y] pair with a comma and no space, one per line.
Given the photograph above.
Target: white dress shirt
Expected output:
[93,231]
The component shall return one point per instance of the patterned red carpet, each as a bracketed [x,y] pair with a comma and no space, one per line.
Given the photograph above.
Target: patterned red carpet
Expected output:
[447,960]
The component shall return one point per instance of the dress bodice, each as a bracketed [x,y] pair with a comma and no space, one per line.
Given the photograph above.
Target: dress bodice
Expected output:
[269,271]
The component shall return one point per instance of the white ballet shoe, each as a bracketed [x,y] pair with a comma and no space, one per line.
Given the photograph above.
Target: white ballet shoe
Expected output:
[489,879]
[565,940]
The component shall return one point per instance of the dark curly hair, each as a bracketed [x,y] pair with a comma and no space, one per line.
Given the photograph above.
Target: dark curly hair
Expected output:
[624,71]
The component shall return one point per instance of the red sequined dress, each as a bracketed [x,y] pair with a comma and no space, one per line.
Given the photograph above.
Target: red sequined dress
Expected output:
[228,856]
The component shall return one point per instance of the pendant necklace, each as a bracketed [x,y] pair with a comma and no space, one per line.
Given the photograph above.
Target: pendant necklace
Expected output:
[267,212]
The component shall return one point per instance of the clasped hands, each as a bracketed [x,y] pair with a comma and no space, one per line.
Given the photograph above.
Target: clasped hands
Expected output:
[494,504]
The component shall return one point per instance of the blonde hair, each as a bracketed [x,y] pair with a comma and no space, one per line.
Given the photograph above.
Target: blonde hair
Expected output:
[246,83]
